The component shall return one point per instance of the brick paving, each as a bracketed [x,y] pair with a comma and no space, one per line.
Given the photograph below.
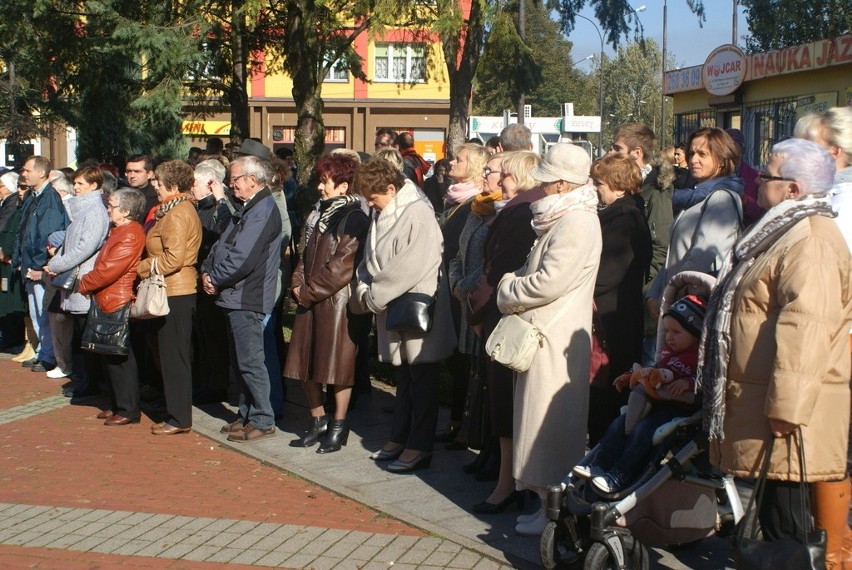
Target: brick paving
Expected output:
[74,493]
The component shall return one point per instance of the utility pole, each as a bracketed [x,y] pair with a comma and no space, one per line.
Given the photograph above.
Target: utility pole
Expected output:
[663,77]
[522,31]
[734,26]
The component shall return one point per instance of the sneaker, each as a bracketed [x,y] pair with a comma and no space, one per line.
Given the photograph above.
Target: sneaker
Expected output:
[57,373]
[611,482]
[587,471]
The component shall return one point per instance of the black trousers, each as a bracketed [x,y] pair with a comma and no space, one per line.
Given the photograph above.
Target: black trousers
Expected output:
[212,356]
[781,514]
[415,413]
[458,365]
[174,337]
[123,384]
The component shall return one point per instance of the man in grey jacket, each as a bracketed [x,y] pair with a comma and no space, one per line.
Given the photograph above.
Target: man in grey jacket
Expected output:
[242,269]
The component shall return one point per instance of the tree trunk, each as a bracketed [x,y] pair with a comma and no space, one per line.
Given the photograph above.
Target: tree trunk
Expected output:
[238,89]
[310,129]
[461,70]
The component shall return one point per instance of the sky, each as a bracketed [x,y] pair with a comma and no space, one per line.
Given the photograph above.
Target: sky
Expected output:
[687,42]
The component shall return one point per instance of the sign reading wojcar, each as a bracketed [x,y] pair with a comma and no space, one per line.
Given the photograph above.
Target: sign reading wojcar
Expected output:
[725,70]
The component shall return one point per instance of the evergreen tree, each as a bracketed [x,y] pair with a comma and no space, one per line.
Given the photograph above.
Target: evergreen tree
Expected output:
[776,24]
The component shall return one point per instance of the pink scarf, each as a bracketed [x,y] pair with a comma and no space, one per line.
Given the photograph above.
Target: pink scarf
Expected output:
[550,209]
[462,192]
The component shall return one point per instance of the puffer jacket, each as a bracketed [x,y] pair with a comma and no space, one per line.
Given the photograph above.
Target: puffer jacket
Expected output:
[111,279]
[789,356]
[83,238]
[174,241]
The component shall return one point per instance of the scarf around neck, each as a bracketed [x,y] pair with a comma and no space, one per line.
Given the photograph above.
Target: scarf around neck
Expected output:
[382,224]
[164,208]
[550,209]
[484,205]
[461,192]
[716,334]
[332,209]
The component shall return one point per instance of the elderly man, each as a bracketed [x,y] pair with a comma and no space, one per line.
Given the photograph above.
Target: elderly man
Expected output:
[42,215]
[242,269]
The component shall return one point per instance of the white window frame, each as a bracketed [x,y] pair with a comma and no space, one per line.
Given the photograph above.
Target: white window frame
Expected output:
[338,68]
[412,53]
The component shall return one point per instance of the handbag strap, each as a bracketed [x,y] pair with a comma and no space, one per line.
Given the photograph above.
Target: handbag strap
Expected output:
[154,266]
[756,499]
[561,312]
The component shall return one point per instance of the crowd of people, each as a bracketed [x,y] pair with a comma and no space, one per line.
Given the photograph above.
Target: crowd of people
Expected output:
[434,258]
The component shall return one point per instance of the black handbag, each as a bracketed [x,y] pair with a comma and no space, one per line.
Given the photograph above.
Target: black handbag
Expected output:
[107,333]
[411,312]
[478,409]
[802,552]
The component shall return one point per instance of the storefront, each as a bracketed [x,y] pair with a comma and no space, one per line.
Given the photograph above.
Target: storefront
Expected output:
[762,94]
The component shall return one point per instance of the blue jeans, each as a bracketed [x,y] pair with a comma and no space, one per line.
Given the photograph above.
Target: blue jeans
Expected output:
[626,454]
[245,339]
[38,314]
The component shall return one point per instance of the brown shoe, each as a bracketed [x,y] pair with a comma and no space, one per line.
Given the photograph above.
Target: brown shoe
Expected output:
[118,420]
[251,433]
[233,427]
[105,415]
[168,429]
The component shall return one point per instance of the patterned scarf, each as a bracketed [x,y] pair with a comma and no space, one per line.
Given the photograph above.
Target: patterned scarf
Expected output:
[716,335]
[461,192]
[484,204]
[547,211]
[164,208]
[332,209]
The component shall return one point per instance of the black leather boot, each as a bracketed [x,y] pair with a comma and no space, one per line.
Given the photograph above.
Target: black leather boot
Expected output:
[312,436]
[335,437]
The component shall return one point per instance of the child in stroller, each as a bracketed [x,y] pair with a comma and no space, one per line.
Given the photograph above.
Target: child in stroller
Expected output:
[658,395]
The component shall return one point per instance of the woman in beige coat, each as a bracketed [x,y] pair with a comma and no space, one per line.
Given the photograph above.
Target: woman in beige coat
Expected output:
[776,354]
[403,254]
[558,280]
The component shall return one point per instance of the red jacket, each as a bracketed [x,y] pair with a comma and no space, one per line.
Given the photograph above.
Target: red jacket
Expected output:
[112,278]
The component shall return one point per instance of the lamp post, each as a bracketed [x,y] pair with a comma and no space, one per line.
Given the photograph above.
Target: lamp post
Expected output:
[600,81]
[663,78]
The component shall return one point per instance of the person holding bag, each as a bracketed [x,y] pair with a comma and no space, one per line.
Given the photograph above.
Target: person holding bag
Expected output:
[172,244]
[775,353]
[110,285]
[402,255]
[552,396]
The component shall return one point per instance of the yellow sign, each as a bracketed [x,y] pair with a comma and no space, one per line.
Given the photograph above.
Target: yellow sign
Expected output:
[206,128]
[818,103]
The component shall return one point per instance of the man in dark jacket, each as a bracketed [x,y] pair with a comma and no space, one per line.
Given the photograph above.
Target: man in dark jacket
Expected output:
[414,166]
[242,269]
[139,173]
[42,215]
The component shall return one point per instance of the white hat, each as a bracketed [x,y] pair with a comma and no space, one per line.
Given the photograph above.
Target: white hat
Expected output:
[564,161]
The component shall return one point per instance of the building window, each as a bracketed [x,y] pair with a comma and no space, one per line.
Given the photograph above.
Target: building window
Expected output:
[688,123]
[287,135]
[766,123]
[400,62]
[338,73]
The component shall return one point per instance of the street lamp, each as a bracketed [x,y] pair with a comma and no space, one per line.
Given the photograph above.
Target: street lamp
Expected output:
[663,79]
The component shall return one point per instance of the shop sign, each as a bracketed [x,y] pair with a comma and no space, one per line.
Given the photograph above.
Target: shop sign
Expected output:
[724,70]
[687,79]
[815,55]
[581,124]
[819,103]
[205,128]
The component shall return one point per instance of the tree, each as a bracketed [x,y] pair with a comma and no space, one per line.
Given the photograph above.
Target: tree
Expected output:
[776,24]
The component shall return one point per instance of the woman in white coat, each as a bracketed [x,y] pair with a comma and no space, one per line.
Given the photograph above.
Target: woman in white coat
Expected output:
[556,283]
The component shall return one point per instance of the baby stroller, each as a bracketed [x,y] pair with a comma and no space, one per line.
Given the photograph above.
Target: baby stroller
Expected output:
[676,499]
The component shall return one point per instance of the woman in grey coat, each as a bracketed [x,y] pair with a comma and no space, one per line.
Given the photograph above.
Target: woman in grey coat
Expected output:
[83,240]
[403,254]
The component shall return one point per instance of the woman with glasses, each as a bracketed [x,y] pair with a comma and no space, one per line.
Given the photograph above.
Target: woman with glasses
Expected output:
[709,216]
[509,239]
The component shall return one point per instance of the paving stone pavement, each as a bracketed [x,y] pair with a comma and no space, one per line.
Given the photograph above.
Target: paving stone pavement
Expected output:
[75,493]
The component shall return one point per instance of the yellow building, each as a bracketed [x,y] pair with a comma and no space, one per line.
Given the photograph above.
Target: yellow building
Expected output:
[762,94]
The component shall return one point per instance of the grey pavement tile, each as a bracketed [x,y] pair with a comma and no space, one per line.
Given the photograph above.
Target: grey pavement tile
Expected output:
[4,506]
[31,523]
[71,526]
[65,541]
[49,525]
[249,556]
[380,539]
[325,563]
[90,529]
[199,523]
[154,549]
[245,541]
[137,518]
[222,539]
[225,555]
[74,514]
[487,564]
[22,538]
[177,521]
[199,537]
[349,565]
[95,515]
[113,530]
[265,529]
[157,520]
[220,525]
[272,559]
[299,540]
[377,566]
[298,561]
[16,510]
[439,558]
[276,537]
[341,549]
[157,533]
[133,532]
[241,527]
[9,533]
[115,517]
[88,543]
[203,552]
[178,550]
[364,553]
[465,559]
[128,548]
[42,540]
[35,510]
[415,556]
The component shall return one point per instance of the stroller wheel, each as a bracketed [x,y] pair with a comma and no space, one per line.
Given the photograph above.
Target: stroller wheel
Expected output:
[599,557]
[553,550]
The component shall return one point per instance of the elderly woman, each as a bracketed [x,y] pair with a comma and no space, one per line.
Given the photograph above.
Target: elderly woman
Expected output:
[557,282]
[403,255]
[110,283]
[325,333]
[625,258]
[709,215]
[83,239]
[508,241]
[467,168]
[13,305]
[776,352]
[173,242]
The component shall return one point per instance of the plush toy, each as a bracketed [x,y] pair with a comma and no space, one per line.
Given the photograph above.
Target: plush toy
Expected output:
[650,378]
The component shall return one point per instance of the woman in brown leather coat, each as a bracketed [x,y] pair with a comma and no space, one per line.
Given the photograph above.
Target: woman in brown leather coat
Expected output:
[111,284]
[173,241]
[325,334]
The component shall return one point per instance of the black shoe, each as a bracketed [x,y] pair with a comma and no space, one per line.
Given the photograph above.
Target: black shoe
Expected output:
[336,436]
[486,508]
[29,363]
[84,392]
[478,463]
[42,367]
[318,427]
[421,461]
[449,434]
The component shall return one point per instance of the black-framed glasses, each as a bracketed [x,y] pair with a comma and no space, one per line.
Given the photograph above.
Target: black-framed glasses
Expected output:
[486,172]
[766,176]
[504,175]
[235,178]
